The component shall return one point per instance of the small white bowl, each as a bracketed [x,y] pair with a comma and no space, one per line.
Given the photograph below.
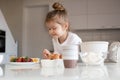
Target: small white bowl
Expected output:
[1,58]
[56,63]
[47,63]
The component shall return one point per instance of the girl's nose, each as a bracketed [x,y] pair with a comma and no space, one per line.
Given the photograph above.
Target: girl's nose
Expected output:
[51,31]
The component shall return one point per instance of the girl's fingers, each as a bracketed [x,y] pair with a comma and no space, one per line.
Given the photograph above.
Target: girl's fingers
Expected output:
[46,54]
[46,51]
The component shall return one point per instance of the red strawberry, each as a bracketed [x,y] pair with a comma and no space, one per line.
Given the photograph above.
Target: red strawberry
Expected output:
[30,60]
[19,60]
[23,59]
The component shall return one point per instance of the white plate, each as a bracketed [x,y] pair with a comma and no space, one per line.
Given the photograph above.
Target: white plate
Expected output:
[22,63]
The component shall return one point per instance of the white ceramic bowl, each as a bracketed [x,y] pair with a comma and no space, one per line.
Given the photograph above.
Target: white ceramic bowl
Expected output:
[94,52]
[95,46]
[1,58]
[56,63]
[92,58]
[47,63]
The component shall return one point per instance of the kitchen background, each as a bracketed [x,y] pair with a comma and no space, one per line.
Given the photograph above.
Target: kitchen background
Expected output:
[90,19]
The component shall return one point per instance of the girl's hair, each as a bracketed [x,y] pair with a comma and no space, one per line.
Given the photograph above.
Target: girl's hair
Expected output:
[59,14]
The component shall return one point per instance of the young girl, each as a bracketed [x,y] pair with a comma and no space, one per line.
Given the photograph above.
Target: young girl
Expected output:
[58,27]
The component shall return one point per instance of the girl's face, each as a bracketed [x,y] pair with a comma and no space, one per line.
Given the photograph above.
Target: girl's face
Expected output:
[56,30]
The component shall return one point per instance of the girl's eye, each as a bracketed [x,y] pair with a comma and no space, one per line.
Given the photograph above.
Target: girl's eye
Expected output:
[54,28]
[49,29]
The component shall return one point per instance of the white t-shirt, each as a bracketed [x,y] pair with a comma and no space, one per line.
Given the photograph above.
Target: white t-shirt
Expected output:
[71,39]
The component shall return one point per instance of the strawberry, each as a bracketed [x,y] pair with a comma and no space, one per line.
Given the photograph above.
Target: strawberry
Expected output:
[23,59]
[30,60]
[19,59]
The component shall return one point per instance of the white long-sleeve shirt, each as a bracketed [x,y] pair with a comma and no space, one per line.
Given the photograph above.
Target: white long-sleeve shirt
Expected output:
[71,40]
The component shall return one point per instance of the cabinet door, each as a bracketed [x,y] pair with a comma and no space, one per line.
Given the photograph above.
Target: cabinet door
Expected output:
[77,11]
[103,14]
[103,21]
[78,22]
[103,6]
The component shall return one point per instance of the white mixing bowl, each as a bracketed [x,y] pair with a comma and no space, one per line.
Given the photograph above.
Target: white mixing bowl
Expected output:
[95,46]
[94,52]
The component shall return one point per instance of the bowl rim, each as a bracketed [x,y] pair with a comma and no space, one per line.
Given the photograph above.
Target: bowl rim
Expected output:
[94,42]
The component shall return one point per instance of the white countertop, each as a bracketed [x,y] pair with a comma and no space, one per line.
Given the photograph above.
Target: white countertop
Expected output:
[109,71]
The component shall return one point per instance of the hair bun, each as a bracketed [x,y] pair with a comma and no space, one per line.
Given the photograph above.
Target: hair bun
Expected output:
[58,6]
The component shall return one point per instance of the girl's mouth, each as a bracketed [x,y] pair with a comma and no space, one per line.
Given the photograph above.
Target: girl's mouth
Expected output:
[54,34]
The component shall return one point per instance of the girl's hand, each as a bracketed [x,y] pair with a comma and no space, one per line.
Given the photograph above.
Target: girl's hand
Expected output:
[51,56]
[46,54]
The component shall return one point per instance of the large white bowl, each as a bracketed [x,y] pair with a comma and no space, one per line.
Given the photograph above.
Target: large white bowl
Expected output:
[92,58]
[1,58]
[94,52]
[95,46]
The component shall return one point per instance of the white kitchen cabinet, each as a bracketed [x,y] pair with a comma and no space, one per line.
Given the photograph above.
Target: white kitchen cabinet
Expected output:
[103,6]
[103,21]
[103,14]
[78,22]
[77,11]
[92,14]
[75,7]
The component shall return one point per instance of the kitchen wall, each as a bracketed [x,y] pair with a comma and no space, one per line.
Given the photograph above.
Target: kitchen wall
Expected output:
[103,34]
[13,12]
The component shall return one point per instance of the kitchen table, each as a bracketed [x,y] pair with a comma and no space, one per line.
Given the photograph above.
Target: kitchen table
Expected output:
[108,71]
